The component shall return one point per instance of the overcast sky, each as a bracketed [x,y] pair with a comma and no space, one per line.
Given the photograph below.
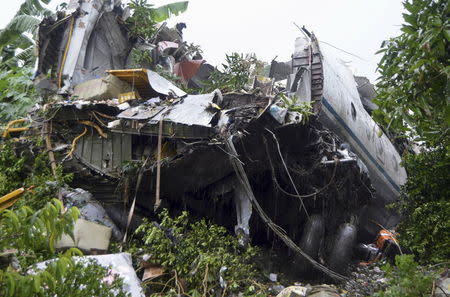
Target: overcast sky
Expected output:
[266,27]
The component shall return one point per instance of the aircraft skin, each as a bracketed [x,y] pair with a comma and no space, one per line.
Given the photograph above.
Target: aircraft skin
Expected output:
[340,109]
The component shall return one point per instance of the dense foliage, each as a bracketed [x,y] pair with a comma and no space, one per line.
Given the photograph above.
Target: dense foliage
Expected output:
[236,74]
[414,84]
[15,36]
[22,167]
[30,229]
[34,233]
[145,17]
[407,279]
[17,93]
[425,205]
[63,277]
[201,254]
[414,102]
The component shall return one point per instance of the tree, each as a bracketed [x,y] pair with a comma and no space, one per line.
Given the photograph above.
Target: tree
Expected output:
[414,84]
[14,35]
[413,101]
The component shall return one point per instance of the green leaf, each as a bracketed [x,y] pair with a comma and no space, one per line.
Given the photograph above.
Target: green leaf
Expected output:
[408,30]
[164,12]
[446,33]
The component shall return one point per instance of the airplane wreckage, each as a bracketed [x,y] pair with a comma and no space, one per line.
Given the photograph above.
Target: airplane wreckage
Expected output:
[248,161]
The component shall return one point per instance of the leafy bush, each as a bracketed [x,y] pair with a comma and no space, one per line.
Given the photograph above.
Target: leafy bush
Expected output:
[32,236]
[34,233]
[145,17]
[141,23]
[29,169]
[425,206]
[17,93]
[63,277]
[12,169]
[413,87]
[199,253]
[407,279]
[292,104]
[413,102]
[237,72]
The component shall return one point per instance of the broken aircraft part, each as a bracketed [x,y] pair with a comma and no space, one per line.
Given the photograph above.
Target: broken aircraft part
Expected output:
[204,146]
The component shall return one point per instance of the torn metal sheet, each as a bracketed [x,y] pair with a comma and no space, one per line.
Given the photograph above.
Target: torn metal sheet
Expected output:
[202,75]
[141,112]
[148,82]
[78,36]
[163,86]
[194,116]
[193,110]
[243,213]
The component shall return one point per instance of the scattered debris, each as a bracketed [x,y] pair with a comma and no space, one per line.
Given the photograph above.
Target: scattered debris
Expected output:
[152,271]
[301,149]
[90,209]
[442,285]
[364,281]
[293,291]
[310,291]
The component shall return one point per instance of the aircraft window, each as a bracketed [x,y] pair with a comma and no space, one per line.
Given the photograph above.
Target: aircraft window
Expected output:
[353,112]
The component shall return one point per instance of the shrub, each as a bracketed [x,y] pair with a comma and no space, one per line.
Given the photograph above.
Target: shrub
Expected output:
[200,253]
[63,277]
[407,279]
[424,204]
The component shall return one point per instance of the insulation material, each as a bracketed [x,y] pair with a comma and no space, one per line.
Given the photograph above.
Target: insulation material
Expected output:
[87,236]
[101,88]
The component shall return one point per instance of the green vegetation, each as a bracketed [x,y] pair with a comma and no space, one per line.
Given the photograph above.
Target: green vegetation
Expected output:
[33,233]
[292,104]
[407,279]
[145,17]
[30,229]
[199,254]
[236,75]
[63,277]
[425,205]
[29,169]
[413,91]
[17,94]
[414,103]
[13,37]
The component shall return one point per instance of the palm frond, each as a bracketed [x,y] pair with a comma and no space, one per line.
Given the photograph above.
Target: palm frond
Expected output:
[24,58]
[164,12]
[35,8]
[16,27]
[23,41]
